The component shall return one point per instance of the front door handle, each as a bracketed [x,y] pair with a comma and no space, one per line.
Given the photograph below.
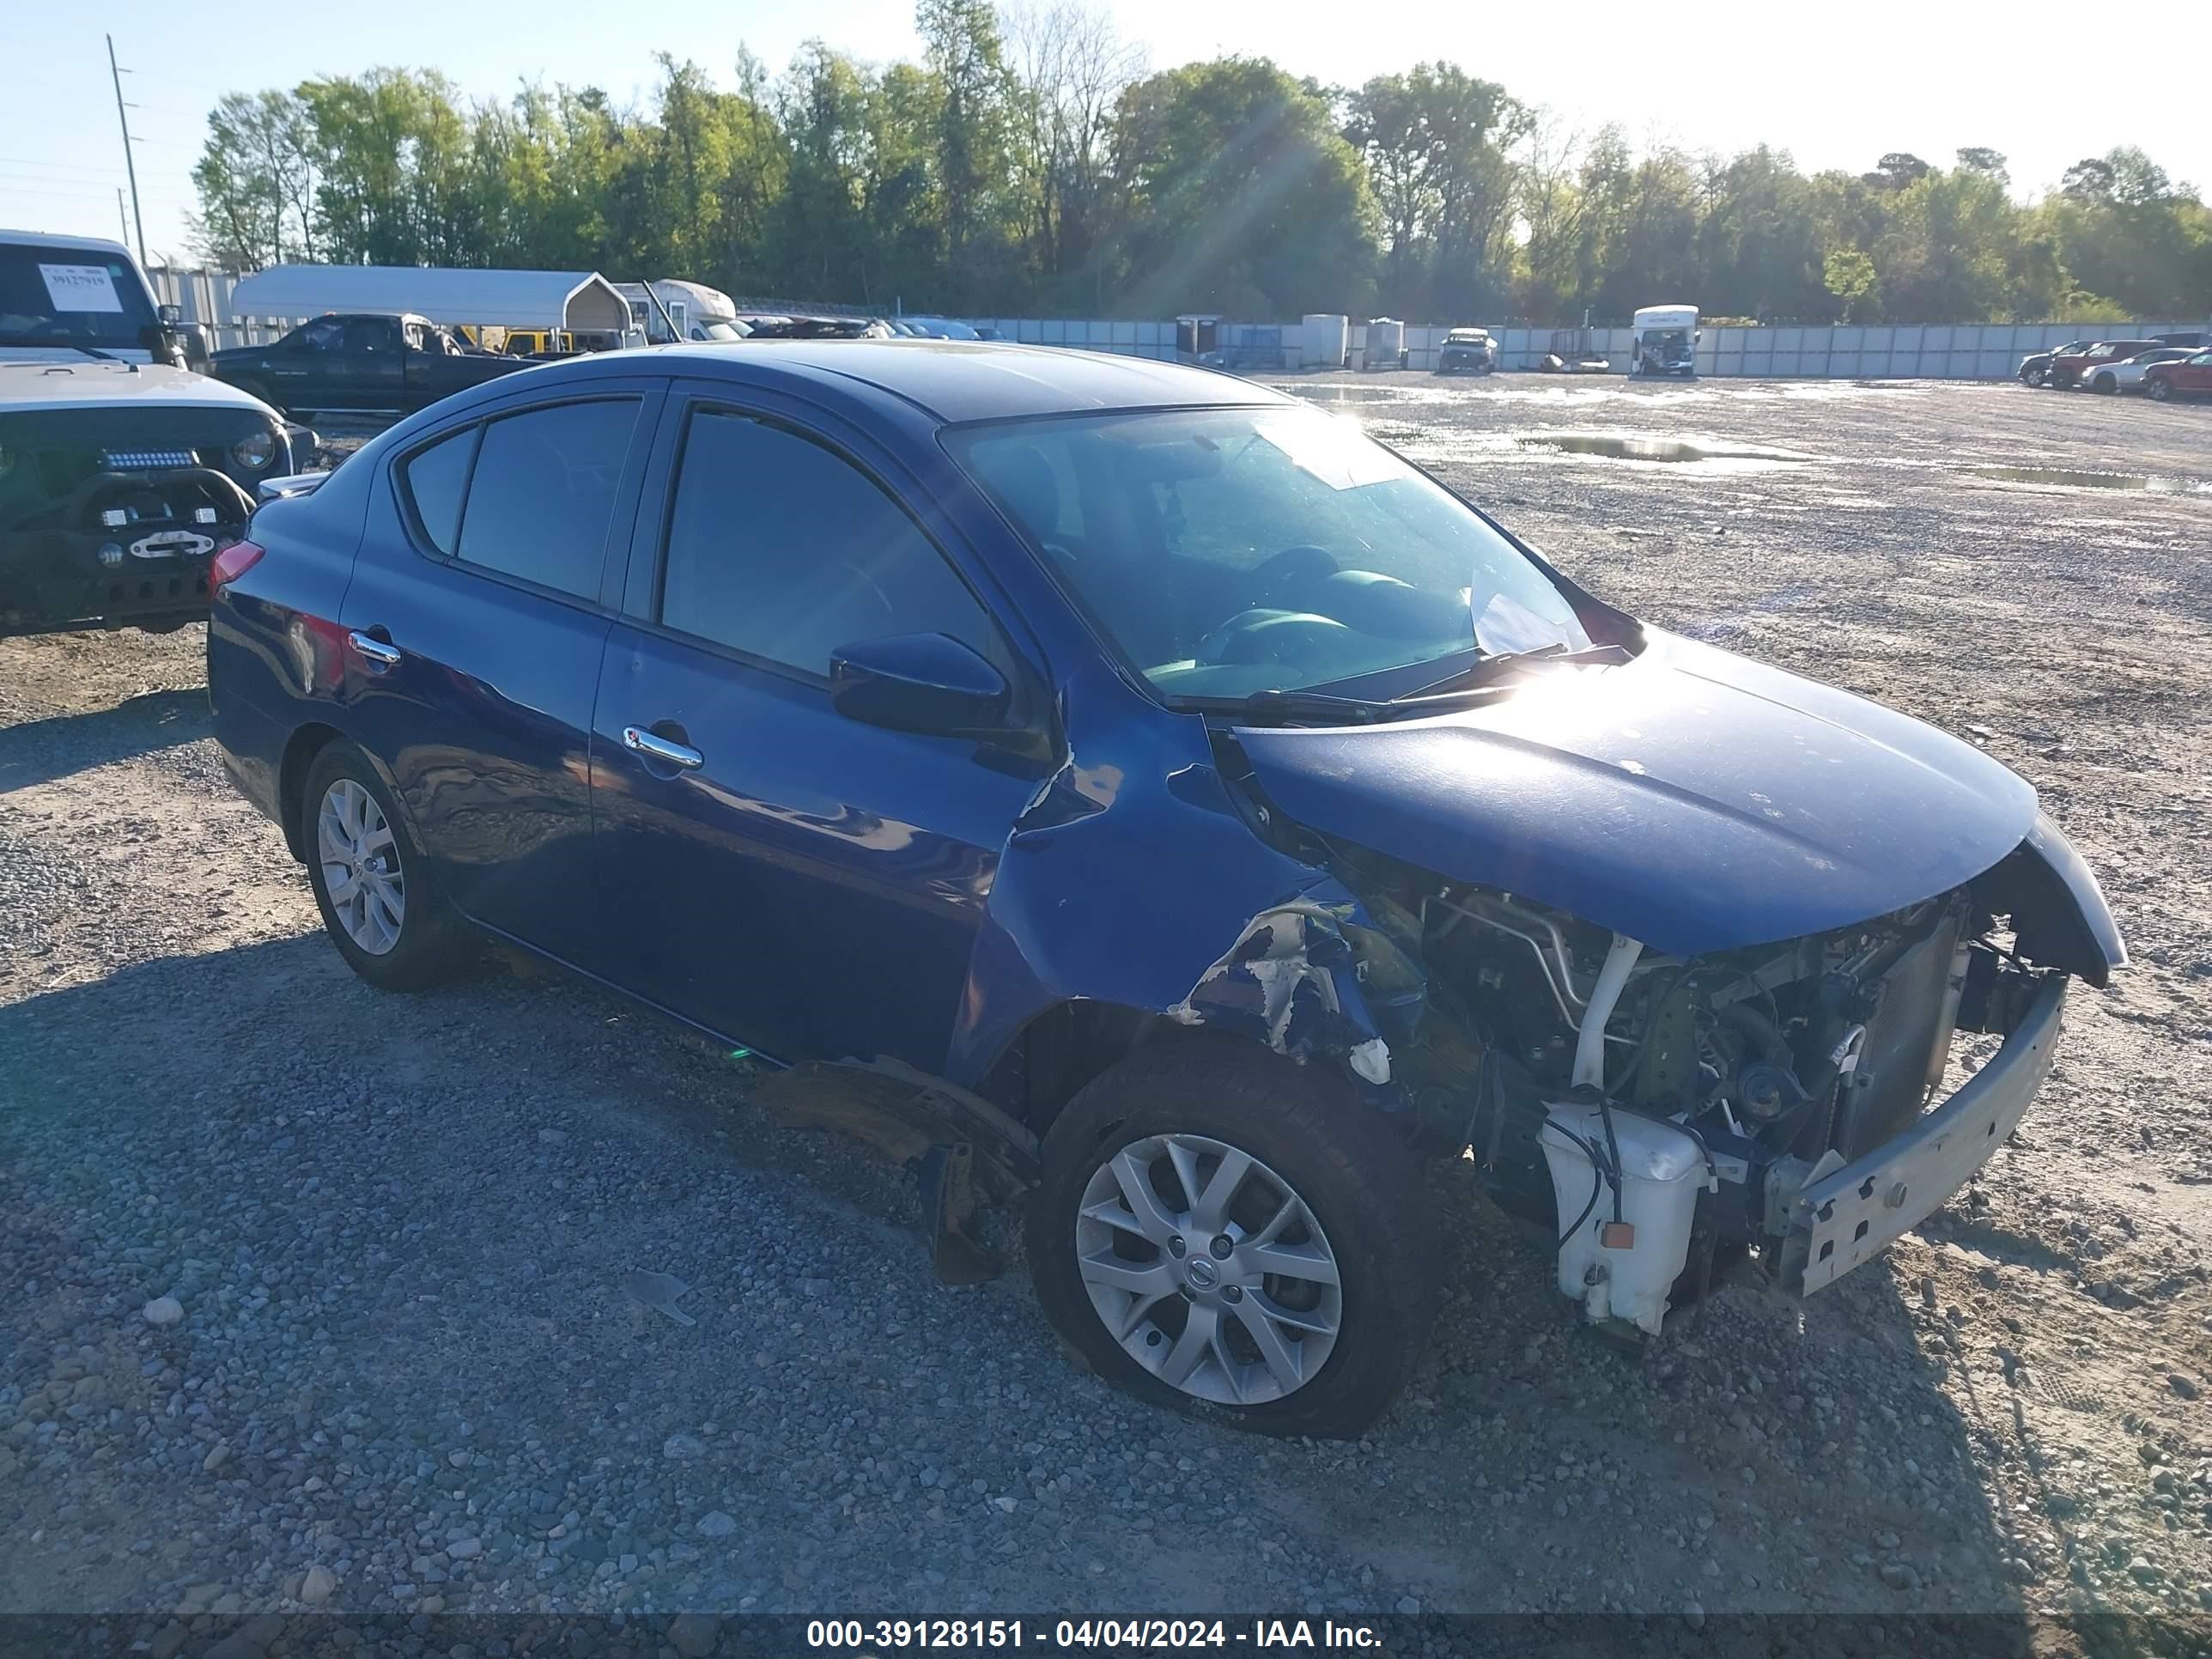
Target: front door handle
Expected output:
[660,748]
[382,652]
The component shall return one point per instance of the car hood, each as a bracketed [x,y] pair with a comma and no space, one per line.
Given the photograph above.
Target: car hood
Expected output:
[1689,798]
[76,381]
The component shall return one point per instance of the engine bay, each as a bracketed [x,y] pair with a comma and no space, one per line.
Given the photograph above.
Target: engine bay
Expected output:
[1661,1113]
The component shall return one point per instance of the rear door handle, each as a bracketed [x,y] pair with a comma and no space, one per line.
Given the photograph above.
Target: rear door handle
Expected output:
[382,652]
[660,748]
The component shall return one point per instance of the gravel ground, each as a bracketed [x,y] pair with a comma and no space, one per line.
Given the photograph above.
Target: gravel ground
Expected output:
[323,1297]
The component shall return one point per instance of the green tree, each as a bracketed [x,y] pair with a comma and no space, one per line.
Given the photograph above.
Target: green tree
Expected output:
[1434,140]
[1244,197]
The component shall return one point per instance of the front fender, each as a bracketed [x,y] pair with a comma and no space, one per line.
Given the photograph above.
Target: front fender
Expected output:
[2059,915]
[1133,878]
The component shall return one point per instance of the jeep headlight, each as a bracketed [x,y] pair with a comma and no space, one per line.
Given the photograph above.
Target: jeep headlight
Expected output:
[255,451]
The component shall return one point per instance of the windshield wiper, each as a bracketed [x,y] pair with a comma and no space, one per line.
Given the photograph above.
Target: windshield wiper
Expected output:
[1276,704]
[1487,670]
[1308,704]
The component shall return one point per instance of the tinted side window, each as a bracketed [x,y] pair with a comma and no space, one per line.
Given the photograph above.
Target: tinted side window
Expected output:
[323,334]
[436,478]
[543,491]
[779,549]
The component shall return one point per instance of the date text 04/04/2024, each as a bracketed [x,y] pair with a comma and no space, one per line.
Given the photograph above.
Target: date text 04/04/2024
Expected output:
[862,1636]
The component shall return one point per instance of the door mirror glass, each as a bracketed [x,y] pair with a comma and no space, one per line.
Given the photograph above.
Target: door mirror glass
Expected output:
[929,683]
[171,315]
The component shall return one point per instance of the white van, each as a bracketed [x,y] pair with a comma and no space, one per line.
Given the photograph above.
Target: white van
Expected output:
[1666,341]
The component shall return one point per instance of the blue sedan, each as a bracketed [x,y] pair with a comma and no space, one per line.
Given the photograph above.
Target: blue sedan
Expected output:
[1126,792]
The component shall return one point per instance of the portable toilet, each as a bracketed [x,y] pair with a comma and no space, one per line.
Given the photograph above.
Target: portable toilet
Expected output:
[1386,343]
[1197,334]
[1326,341]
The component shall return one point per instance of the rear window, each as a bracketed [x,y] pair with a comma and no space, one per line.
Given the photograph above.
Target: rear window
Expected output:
[436,479]
[543,492]
[530,494]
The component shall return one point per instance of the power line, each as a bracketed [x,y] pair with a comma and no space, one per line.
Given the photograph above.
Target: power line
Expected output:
[71,166]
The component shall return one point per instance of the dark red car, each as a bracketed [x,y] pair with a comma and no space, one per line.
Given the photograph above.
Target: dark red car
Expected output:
[2191,377]
[2072,368]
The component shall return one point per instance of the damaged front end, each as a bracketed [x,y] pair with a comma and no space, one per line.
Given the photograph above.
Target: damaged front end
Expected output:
[1669,1113]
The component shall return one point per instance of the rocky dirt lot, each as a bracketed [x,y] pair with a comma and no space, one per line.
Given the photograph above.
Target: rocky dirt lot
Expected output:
[321,1297]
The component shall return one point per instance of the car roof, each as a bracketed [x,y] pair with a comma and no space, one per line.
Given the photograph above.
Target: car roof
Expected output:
[44,238]
[958,381]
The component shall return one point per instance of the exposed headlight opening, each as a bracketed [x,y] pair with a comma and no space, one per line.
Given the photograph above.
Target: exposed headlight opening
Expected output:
[255,451]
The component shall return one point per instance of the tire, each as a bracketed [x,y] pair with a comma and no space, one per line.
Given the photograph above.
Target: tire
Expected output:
[2160,390]
[2105,386]
[2037,377]
[408,945]
[1357,1209]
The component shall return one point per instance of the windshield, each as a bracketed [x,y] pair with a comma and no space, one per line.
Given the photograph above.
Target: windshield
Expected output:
[1234,550]
[719,330]
[70,296]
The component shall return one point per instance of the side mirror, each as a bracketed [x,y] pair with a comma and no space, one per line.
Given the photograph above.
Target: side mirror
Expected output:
[162,346]
[170,315]
[929,683]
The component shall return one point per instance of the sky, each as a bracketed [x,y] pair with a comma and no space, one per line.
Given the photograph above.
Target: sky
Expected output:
[1835,87]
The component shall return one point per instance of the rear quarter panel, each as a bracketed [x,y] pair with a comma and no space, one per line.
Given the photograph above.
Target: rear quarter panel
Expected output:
[274,644]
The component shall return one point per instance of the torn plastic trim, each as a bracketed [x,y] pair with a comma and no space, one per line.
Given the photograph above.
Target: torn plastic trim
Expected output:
[965,1154]
[1293,982]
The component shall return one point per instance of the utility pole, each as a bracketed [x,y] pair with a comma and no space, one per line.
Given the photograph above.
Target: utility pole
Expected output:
[130,162]
[122,214]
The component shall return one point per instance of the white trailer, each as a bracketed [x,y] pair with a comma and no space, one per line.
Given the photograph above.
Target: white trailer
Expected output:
[1666,341]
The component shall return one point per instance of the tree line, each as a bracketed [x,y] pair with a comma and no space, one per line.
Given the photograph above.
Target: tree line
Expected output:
[1031,164]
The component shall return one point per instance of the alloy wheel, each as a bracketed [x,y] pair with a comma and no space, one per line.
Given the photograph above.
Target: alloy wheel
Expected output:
[360,859]
[1209,1269]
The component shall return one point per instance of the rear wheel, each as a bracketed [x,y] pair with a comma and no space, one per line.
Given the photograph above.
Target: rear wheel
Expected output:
[377,902]
[1222,1232]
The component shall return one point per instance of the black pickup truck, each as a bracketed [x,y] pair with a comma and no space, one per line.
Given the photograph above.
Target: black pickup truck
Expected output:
[360,364]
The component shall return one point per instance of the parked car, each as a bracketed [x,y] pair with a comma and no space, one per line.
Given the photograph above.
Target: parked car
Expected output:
[2127,375]
[1467,351]
[766,327]
[2195,339]
[121,473]
[941,328]
[1141,797]
[2069,368]
[2035,367]
[2191,377]
[362,363]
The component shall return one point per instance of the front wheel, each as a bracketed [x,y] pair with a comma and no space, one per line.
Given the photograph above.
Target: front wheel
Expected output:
[377,903]
[2159,391]
[2035,377]
[2105,385]
[1222,1232]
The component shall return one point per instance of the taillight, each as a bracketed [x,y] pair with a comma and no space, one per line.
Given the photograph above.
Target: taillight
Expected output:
[232,562]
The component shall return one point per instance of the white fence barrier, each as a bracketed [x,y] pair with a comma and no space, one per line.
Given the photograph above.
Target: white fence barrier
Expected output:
[1967,351]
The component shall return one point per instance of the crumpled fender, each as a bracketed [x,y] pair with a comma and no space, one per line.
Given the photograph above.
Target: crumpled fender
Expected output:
[1291,982]
[1132,879]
